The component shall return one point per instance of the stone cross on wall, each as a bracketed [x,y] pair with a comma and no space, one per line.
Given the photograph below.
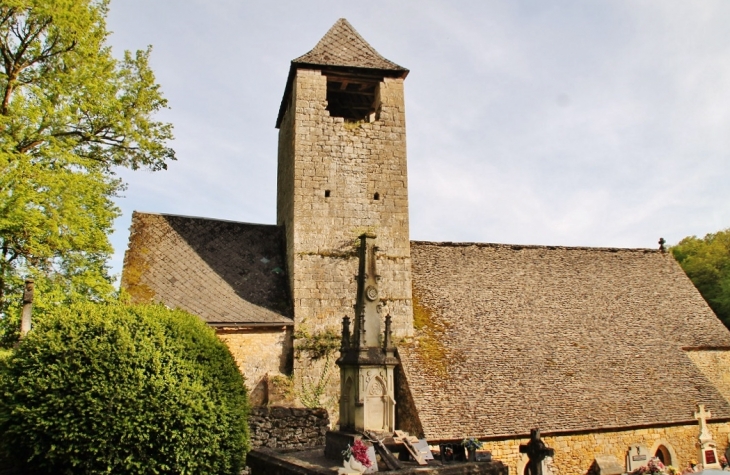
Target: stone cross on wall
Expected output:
[536,450]
[702,416]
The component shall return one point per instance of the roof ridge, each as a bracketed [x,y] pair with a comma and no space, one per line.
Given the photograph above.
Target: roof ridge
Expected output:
[535,246]
[204,218]
[342,45]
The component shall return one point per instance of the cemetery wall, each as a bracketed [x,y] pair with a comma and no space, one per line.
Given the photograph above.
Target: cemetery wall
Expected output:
[258,352]
[287,427]
[714,365]
[574,454]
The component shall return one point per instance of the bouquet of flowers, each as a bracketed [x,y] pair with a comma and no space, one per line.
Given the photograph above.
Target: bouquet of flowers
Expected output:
[471,444]
[359,452]
[653,467]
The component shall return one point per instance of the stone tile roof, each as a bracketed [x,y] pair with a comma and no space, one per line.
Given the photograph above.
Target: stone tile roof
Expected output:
[343,46]
[565,339]
[223,271]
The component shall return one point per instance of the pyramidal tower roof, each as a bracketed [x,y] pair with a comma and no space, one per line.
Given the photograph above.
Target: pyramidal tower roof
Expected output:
[341,49]
[342,45]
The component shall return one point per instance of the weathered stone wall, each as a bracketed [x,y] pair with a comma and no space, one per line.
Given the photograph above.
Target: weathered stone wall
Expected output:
[714,365]
[574,454]
[319,153]
[285,427]
[259,352]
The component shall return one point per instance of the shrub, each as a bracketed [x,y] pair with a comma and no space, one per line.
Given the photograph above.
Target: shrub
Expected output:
[109,388]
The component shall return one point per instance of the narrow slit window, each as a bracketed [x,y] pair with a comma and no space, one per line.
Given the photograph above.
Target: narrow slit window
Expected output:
[376,196]
[326,193]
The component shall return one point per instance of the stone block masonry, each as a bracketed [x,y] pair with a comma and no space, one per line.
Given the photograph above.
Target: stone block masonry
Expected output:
[258,352]
[287,428]
[337,180]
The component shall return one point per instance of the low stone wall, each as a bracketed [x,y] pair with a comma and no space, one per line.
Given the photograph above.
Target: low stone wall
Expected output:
[287,427]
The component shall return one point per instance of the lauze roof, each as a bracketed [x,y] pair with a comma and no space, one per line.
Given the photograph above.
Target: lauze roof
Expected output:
[565,339]
[227,273]
[342,45]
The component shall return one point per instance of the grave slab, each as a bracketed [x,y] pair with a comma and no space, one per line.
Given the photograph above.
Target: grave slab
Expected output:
[265,461]
[606,465]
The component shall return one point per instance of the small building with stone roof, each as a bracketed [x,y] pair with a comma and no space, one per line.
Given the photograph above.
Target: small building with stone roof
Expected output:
[601,348]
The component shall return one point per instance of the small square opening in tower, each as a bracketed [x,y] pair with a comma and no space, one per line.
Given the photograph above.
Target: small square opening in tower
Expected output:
[326,193]
[353,99]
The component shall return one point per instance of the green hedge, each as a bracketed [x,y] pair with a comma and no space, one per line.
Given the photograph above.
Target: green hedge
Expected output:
[109,388]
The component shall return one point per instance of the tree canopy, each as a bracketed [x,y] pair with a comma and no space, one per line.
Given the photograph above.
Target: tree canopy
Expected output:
[707,263]
[70,113]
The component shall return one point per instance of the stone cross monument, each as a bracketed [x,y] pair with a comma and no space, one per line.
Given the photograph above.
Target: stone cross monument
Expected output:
[367,356]
[708,448]
[537,451]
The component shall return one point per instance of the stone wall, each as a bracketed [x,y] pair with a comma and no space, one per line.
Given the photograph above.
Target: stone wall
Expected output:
[329,173]
[285,427]
[259,352]
[574,454]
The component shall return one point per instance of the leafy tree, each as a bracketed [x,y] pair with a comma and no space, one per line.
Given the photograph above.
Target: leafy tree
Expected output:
[69,114]
[101,388]
[707,263]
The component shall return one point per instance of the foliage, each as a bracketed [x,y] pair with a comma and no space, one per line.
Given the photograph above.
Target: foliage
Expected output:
[312,389]
[107,388]
[319,346]
[472,444]
[69,114]
[707,263]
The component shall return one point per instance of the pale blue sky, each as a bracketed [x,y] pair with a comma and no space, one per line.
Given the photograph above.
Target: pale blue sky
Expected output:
[601,123]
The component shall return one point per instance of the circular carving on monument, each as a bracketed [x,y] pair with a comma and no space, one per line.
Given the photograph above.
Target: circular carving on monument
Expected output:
[376,389]
[371,293]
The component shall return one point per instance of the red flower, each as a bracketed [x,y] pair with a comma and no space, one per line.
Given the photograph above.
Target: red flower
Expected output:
[360,452]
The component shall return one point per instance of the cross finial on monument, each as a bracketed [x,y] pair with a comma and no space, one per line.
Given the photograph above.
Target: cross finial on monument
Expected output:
[536,450]
[702,416]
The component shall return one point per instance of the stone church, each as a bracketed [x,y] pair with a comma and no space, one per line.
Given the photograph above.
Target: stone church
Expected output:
[601,348]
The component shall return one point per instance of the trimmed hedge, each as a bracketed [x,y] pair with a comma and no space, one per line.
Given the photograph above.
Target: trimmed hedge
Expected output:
[109,388]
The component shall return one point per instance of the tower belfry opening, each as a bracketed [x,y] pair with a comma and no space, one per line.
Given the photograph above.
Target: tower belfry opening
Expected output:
[352,98]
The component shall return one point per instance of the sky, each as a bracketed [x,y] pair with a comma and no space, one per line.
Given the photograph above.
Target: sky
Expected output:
[602,123]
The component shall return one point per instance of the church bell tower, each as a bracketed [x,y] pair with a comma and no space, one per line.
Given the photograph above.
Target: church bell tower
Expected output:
[342,173]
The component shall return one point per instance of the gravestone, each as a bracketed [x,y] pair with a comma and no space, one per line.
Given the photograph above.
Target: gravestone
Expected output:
[606,465]
[422,447]
[708,448]
[536,451]
[638,456]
